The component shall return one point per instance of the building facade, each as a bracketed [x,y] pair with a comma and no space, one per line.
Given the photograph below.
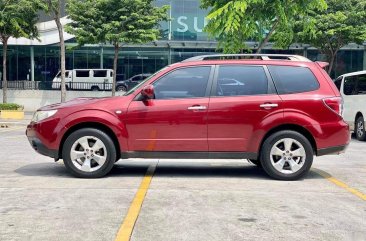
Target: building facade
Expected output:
[181,38]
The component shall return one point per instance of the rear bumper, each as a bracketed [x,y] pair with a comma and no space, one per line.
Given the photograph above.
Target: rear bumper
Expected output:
[335,150]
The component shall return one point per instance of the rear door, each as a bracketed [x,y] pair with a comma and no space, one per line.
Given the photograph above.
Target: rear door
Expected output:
[243,98]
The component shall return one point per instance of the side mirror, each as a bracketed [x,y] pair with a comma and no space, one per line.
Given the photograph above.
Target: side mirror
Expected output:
[148,92]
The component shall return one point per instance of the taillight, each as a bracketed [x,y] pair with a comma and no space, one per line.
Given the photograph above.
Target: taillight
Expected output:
[335,104]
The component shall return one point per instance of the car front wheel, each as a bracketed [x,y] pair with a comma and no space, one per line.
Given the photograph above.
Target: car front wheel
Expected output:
[287,155]
[360,129]
[89,153]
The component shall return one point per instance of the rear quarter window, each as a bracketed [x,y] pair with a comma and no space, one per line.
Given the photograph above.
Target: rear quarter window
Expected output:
[293,79]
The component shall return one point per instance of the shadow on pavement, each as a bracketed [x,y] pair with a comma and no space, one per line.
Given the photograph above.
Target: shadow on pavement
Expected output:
[43,169]
[166,170]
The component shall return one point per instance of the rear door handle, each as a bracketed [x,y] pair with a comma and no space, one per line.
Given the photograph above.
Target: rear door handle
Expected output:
[268,106]
[198,107]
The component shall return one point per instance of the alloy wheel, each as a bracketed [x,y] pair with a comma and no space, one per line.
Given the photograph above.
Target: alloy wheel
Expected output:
[287,156]
[88,154]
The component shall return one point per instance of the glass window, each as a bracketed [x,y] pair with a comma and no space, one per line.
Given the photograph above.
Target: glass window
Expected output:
[100,73]
[82,73]
[241,80]
[183,83]
[338,83]
[361,86]
[349,87]
[137,78]
[290,79]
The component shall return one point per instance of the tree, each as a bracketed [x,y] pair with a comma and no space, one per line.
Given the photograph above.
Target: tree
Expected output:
[115,21]
[342,23]
[18,18]
[53,8]
[236,21]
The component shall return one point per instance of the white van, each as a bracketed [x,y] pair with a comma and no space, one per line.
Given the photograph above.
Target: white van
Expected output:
[353,89]
[85,79]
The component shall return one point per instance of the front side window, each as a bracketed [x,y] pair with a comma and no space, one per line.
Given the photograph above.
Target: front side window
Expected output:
[100,73]
[349,86]
[241,80]
[361,86]
[183,83]
[292,79]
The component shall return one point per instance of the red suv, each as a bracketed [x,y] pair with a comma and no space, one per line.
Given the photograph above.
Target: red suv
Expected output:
[277,111]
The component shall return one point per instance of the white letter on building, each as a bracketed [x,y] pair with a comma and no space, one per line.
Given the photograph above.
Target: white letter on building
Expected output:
[184,25]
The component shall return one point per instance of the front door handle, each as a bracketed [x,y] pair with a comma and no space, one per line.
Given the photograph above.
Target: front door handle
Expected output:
[268,106]
[197,108]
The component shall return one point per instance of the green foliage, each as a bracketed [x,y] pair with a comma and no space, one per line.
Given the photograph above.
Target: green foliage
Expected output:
[18,18]
[115,21]
[342,23]
[10,106]
[236,21]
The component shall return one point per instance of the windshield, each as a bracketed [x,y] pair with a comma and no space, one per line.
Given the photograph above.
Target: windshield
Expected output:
[143,82]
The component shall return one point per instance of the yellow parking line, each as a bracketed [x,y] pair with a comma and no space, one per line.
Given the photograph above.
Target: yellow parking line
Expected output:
[340,184]
[12,129]
[125,231]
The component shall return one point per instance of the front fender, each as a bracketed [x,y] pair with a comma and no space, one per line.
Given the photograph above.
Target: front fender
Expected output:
[110,120]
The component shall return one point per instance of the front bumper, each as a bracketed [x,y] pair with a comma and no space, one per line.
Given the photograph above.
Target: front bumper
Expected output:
[39,147]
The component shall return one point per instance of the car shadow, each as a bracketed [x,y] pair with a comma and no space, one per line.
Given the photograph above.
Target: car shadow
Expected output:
[175,170]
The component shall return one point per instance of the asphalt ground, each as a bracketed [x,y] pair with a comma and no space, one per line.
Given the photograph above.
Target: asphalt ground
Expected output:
[179,200]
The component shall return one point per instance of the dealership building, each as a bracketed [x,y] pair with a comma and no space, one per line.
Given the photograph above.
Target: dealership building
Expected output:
[181,38]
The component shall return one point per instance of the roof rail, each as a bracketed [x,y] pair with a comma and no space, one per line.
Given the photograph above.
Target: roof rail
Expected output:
[249,56]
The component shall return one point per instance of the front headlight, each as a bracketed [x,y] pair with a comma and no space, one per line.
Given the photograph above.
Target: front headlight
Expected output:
[41,115]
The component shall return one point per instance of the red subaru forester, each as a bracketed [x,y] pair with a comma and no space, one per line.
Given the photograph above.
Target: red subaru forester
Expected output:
[276,110]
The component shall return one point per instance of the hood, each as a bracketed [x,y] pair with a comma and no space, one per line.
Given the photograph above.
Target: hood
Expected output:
[75,103]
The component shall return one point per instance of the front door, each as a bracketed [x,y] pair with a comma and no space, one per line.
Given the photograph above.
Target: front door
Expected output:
[176,120]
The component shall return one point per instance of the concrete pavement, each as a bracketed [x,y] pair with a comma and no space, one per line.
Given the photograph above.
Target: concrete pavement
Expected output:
[186,200]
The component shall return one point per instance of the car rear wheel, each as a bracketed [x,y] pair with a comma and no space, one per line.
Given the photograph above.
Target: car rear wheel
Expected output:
[360,129]
[89,153]
[122,88]
[287,155]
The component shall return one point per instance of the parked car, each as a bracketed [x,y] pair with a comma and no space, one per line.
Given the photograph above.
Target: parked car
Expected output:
[286,111]
[353,89]
[85,79]
[125,85]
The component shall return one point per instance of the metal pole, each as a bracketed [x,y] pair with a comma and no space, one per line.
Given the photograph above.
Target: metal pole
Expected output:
[364,58]
[101,58]
[32,62]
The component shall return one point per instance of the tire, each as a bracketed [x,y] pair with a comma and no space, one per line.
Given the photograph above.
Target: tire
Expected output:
[287,155]
[94,88]
[360,129]
[255,162]
[122,88]
[81,161]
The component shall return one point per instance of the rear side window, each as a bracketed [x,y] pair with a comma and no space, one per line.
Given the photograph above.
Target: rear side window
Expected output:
[82,73]
[291,79]
[100,73]
[241,80]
